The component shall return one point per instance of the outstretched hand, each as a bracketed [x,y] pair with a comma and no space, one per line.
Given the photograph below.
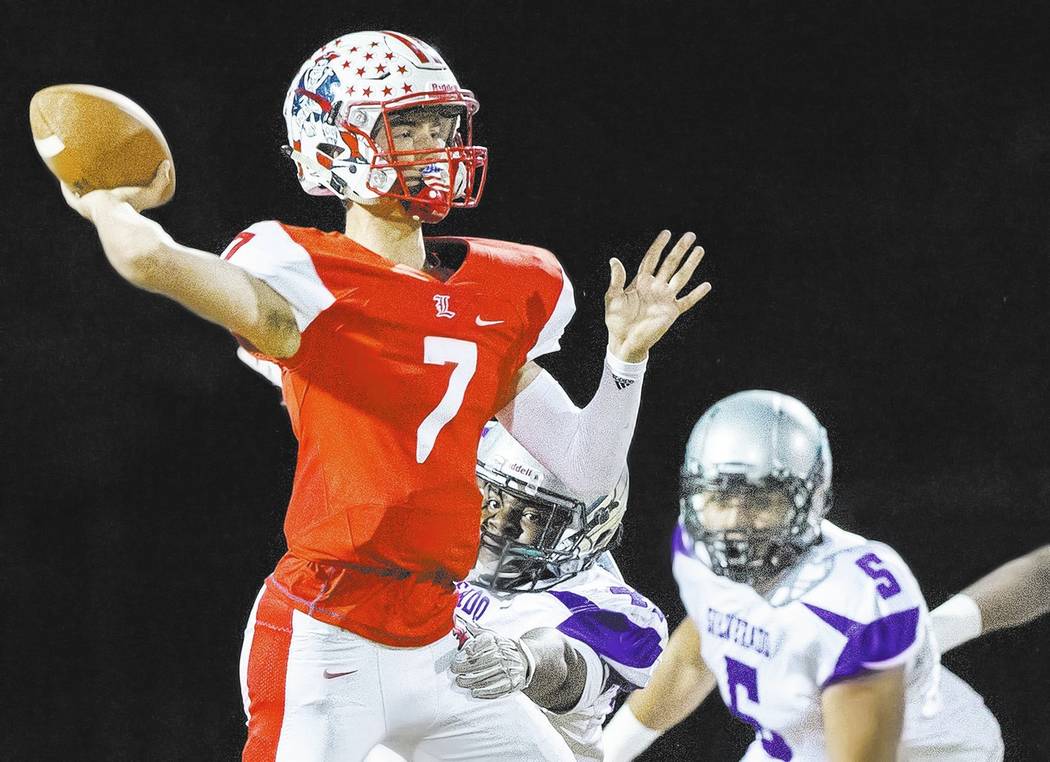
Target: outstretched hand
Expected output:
[139,198]
[640,313]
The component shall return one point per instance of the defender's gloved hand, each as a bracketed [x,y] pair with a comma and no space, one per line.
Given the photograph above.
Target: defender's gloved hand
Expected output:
[491,665]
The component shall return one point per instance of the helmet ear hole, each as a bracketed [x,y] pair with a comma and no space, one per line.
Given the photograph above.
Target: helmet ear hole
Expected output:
[327,152]
[330,149]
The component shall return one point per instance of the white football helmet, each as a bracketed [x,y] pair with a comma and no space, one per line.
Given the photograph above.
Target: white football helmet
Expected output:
[344,94]
[757,441]
[564,534]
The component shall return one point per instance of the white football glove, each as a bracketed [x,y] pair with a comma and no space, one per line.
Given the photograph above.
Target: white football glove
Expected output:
[491,665]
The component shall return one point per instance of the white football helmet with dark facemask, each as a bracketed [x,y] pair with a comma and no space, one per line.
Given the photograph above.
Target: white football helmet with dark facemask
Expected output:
[534,532]
[342,98]
[750,443]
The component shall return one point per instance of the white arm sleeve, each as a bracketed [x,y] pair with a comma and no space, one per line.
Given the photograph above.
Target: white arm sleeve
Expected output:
[625,737]
[586,449]
[955,622]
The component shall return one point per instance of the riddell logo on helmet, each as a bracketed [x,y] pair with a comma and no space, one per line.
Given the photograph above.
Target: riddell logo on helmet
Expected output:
[524,471]
[443,87]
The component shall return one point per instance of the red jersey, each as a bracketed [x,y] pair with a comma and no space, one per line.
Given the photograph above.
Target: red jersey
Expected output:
[396,374]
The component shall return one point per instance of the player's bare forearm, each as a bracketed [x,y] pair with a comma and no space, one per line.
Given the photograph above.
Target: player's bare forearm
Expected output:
[143,253]
[679,684]
[133,244]
[1015,593]
[864,717]
[561,672]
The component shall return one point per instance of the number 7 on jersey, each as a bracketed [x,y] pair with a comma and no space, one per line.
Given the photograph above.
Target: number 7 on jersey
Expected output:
[439,350]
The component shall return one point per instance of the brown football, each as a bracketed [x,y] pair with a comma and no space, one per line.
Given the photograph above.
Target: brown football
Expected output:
[91,138]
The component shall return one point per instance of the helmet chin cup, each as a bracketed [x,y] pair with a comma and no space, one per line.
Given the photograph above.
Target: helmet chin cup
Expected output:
[426,211]
[433,201]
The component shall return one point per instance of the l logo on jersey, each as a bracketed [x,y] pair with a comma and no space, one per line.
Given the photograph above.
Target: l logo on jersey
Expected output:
[441,303]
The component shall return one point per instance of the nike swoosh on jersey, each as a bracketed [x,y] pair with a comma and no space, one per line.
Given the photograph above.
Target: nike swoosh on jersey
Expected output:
[479,321]
[329,675]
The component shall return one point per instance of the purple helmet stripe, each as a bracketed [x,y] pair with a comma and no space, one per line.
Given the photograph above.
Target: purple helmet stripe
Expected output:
[870,643]
[611,634]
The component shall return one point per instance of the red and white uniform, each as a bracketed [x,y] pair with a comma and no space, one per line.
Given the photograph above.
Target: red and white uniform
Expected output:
[396,374]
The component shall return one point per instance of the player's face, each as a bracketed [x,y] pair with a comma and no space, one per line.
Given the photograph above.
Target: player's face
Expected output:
[751,510]
[423,129]
[510,517]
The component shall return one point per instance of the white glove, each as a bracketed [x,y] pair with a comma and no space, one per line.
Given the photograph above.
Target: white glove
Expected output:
[491,665]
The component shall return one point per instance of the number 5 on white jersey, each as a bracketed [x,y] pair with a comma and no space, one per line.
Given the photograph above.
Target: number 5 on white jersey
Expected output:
[439,350]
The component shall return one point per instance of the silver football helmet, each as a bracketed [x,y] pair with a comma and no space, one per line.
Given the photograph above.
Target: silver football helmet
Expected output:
[755,448]
[534,531]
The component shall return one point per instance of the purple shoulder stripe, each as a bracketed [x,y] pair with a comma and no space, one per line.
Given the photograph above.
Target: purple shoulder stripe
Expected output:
[870,643]
[610,633]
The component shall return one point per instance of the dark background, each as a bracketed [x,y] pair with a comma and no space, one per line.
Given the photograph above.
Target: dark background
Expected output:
[872,188]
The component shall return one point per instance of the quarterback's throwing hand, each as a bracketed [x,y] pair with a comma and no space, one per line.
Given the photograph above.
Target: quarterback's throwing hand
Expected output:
[139,198]
[490,665]
[639,314]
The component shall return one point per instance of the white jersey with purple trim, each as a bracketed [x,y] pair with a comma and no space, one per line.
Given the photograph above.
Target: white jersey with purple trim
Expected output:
[619,632]
[848,607]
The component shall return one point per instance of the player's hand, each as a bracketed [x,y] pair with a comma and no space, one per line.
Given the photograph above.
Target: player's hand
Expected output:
[490,665]
[139,198]
[638,315]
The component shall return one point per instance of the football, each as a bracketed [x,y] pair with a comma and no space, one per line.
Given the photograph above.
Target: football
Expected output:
[93,138]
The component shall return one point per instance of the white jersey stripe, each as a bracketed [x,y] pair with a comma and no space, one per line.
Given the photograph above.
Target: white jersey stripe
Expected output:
[549,339]
[273,257]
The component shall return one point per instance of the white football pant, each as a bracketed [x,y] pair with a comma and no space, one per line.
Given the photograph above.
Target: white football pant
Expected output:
[314,692]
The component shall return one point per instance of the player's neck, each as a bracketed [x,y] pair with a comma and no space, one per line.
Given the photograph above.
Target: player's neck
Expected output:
[391,235]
